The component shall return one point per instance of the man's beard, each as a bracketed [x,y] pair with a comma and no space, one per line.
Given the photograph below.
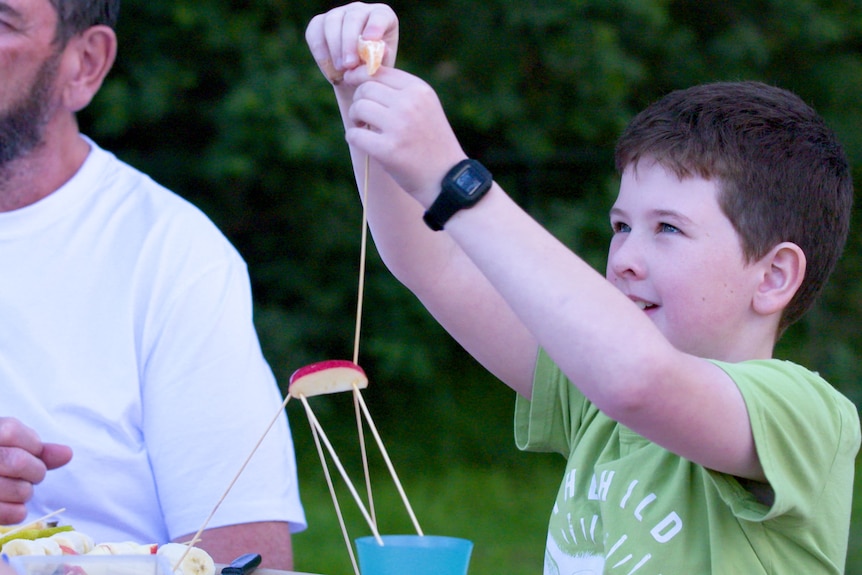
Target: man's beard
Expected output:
[22,125]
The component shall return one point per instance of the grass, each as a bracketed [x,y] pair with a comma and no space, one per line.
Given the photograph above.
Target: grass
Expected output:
[503,511]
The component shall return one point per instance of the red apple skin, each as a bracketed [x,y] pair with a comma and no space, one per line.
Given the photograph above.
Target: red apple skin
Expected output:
[330,376]
[322,365]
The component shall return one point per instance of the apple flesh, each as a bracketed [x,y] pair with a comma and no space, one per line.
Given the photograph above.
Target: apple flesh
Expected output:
[331,376]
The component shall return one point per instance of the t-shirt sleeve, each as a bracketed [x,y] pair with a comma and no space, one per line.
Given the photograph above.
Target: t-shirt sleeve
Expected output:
[209,395]
[549,421]
[806,434]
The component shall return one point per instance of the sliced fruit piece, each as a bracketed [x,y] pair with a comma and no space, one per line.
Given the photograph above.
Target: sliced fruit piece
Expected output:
[44,546]
[196,560]
[75,541]
[330,376]
[34,533]
[371,53]
[123,548]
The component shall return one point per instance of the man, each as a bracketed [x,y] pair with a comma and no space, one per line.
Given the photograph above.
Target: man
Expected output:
[132,379]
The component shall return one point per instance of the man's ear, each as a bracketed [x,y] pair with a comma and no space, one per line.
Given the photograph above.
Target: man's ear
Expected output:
[87,59]
[783,271]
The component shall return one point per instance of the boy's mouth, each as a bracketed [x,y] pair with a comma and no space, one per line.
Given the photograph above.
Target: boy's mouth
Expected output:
[644,305]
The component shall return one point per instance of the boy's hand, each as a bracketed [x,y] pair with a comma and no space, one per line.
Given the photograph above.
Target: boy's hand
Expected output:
[332,37]
[399,121]
[24,461]
[394,117]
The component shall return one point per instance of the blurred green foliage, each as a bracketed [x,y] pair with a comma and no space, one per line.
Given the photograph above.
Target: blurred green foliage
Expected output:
[221,101]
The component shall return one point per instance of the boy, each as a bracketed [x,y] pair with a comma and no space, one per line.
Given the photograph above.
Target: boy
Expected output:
[689,449]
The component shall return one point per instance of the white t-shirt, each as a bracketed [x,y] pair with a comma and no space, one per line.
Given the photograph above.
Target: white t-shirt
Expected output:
[126,332]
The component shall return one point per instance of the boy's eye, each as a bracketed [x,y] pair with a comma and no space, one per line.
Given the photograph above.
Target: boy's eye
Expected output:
[667,228]
[620,227]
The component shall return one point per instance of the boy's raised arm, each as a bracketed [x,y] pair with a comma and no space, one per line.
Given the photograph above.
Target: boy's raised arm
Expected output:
[502,285]
[445,280]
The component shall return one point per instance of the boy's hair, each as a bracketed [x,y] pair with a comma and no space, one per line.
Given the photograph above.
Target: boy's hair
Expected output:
[782,173]
[75,16]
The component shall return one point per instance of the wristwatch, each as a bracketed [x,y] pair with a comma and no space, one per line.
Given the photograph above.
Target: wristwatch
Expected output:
[463,186]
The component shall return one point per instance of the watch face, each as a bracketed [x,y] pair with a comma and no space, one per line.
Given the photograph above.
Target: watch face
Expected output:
[468,181]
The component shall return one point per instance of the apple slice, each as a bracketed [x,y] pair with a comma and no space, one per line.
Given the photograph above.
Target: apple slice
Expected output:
[371,53]
[330,376]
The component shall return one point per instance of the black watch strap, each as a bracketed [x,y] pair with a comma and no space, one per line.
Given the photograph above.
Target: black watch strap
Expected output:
[462,187]
[443,208]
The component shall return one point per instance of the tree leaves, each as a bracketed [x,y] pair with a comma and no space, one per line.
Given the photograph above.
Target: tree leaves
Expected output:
[221,101]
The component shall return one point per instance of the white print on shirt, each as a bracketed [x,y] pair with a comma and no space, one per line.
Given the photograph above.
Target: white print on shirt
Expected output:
[594,553]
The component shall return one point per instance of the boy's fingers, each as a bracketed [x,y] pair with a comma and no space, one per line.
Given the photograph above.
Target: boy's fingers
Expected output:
[353,27]
[329,70]
[315,37]
[332,37]
[380,24]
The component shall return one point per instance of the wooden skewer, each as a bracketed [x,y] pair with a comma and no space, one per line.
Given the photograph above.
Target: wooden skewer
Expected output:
[313,420]
[316,425]
[206,522]
[338,513]
[388,463]
[360,297]
[192,541]
[24,526]
[363,248]
[364,453]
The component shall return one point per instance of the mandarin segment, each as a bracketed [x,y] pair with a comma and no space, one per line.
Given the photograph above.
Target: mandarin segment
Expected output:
[371,53]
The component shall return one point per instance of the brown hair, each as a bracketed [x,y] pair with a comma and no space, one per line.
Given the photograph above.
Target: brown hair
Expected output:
[75,16]
[782,173]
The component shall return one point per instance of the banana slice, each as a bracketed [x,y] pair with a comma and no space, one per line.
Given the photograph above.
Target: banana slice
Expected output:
[73,541]
[123,548]
[18,547]
[331,376]
[196,561]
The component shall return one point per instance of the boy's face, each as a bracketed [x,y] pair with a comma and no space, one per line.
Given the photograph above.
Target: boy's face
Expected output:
[677,256]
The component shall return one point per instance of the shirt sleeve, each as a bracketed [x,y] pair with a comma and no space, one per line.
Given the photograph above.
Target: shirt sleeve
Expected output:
[806,435]
[550,420]
[209,395]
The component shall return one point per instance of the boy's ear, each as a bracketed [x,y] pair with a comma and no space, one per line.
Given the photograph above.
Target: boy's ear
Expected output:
[783,271]
[87,59]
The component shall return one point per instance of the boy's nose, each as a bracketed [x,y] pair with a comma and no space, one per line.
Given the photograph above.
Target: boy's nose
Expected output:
[625,259]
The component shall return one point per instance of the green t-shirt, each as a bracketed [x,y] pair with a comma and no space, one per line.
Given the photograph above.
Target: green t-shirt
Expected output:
[627,506]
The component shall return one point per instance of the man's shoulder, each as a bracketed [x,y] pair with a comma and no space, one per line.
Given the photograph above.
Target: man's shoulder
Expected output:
[136,214]
[118,176]
[140,196]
